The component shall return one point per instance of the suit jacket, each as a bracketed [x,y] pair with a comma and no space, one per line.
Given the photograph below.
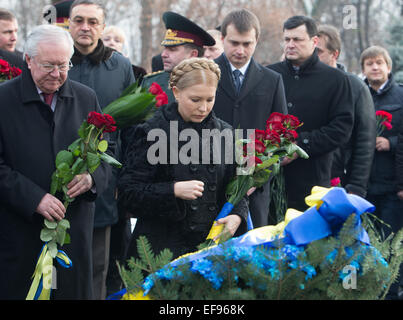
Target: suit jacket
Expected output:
[262,93]
[30,137]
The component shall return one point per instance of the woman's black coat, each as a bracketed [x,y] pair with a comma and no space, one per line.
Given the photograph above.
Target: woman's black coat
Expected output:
[147,191]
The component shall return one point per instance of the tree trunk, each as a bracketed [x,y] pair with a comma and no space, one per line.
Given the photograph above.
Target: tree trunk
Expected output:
[146,33]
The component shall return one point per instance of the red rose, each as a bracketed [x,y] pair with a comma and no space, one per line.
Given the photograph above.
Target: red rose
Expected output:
[291,121]
[260,134]
[155,89]
[259,146]
[335,182]
[109,123]
[276,117]
[276,126]
[96,119]
[15,71]
[4,66]
[387,125]
[272,136]
[162,99]
[291,135]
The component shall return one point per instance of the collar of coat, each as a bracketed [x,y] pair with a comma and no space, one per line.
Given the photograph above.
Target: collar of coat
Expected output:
[386,88]
[311,61]
[100,54]
[29,93]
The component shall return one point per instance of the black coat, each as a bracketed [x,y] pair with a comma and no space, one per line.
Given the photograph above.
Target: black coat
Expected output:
[352,163]
[383,173]
[147,191]
[320,96]
[30,137]
[262,93]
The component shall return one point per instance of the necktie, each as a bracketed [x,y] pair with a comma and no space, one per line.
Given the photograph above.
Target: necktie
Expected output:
[237,79]
[48,97]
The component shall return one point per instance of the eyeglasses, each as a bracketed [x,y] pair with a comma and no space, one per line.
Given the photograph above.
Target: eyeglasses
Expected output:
[47,67]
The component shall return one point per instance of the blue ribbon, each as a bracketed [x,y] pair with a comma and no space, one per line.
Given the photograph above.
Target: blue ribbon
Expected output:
[316,224]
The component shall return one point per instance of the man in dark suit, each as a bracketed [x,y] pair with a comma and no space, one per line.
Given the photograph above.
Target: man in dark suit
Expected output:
[248,92]
[42,111]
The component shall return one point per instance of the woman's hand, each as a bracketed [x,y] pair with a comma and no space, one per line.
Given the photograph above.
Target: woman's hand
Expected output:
[189,190]
[231,224]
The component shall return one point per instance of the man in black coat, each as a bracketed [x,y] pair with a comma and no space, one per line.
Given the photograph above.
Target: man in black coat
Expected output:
[108,73]
[351,163]
[42,111]
[320,96]
[247,103]
[387,95]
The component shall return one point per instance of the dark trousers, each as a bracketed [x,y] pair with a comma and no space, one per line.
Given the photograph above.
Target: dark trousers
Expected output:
[259,206]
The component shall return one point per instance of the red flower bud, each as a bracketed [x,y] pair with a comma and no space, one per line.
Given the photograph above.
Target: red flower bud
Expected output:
[155,89]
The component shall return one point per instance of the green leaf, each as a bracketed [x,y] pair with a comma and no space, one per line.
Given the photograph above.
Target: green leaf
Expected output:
[52,247]
[67,239]
[93,161]
[82,132]
[47,234]
[65,224]
[111,161]
[78,167]
[103,145]
[50,224]
[60,236]
[63,169]
[54,186]
[64,157]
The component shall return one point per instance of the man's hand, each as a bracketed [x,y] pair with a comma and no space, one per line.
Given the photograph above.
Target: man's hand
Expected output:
[287,160]
[80,184]
[382,144]
[400,194]
[51,208]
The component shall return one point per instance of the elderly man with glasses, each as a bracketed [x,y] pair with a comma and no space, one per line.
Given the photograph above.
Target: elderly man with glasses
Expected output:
[41,112]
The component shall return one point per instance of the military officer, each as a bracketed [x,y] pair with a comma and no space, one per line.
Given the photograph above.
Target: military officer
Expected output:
[183,40]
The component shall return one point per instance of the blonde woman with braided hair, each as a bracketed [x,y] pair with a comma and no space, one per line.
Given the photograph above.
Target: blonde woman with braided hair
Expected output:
[174,193]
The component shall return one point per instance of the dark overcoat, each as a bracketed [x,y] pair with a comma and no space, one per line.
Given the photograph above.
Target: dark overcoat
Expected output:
[30,137]
[320,96]
[261,94]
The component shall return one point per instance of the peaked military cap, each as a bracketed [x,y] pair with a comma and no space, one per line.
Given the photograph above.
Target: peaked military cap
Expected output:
[63,12]
[181,30]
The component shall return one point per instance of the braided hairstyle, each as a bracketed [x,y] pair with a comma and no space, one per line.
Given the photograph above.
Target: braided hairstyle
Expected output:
[195,71]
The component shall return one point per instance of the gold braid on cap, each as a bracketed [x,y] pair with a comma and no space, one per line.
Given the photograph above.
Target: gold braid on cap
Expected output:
[172,39]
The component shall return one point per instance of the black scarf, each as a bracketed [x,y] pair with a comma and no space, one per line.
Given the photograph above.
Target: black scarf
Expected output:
[100,54]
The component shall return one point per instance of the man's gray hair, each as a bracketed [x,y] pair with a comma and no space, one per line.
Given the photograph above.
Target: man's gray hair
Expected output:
[46,33]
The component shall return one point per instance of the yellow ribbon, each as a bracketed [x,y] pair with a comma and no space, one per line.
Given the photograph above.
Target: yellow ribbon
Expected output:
[138,296]
[215,230]
[43,272]
[317,193]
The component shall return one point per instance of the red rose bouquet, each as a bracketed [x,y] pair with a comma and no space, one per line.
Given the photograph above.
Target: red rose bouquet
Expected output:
[261,156]
[383,121]
[8,72]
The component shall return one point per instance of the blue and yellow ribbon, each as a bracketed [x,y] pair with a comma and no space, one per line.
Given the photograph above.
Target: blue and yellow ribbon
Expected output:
[41,286]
